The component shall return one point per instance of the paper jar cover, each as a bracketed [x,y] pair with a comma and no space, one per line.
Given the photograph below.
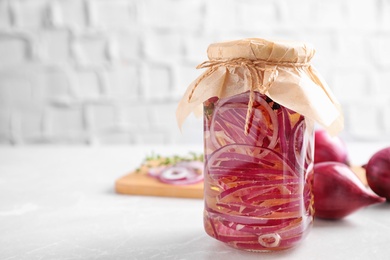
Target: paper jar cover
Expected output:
[279,69]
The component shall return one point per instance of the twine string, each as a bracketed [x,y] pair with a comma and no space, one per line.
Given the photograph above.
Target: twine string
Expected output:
[255,70]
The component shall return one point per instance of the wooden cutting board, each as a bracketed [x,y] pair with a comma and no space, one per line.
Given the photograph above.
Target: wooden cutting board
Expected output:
[142,184]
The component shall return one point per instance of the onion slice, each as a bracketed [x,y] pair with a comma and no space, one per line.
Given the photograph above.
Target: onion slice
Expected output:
[229,118]
[182,173]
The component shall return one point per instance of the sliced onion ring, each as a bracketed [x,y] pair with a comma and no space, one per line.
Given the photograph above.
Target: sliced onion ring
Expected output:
[182,173]
[175,173]
[233,131]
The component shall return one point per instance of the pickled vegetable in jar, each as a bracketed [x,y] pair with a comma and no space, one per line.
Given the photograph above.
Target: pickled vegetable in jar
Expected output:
[257,196]
[260,102]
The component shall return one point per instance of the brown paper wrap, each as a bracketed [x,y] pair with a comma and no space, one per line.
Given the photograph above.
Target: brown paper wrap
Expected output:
[279,69]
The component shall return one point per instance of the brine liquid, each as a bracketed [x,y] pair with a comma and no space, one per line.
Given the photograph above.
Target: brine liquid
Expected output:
[257,196]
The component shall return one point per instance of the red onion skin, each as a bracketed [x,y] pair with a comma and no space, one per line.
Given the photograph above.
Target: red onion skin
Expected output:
[378,173]
[329,148]
[338,192]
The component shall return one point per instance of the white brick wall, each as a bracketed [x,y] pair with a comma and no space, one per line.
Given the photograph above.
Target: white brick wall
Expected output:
[112,71]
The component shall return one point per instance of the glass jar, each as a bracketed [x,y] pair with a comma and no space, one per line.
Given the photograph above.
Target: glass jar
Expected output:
[257,196]
[260,100]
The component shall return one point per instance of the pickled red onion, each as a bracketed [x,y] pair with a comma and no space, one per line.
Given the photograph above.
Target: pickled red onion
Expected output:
[229,116]
[255,192]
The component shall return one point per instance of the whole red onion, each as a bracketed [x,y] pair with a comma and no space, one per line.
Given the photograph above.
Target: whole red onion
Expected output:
[338,192]
[378,173]
[329,148]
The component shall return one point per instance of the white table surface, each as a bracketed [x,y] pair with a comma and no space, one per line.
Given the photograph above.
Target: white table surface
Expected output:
[59,203]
